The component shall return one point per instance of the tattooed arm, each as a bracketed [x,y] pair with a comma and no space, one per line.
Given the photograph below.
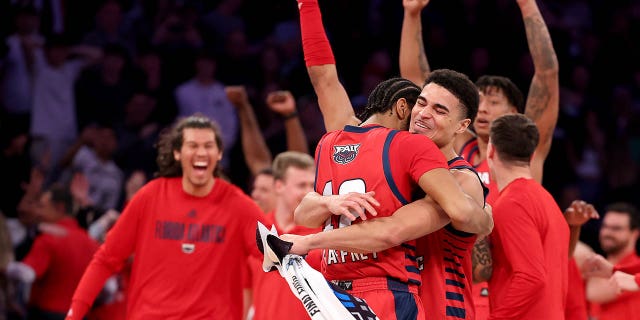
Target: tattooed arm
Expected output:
[481,260]
[543,101]
[413,60]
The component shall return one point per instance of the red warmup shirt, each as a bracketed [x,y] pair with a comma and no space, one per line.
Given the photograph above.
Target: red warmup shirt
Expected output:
[576,297]
[272,296]
[633,268]
[447,276]
[187,253]
[373,158]
[530,248]
[627,303]
[58,261]
[470,152]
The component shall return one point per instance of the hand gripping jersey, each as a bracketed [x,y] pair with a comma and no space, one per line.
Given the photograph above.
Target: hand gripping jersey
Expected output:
[444,260]
[373,158]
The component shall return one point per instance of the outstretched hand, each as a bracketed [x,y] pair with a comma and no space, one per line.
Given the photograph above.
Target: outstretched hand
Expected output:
[579,212]
[281,102]
[414,6]
[237,95]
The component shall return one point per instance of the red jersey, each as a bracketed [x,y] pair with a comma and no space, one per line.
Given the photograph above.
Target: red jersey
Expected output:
[373,158]
[186,249]
[58,261]
[272,296]
[530,248]
[627,303]
[446,271]
[470,152]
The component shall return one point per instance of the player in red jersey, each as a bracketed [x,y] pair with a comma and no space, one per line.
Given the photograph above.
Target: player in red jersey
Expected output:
[188,230]
[444,108]
[530,241]
[498,96]
[337,112]
[294,174]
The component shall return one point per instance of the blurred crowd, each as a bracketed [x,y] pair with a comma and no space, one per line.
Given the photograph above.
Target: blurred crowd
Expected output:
[88,86]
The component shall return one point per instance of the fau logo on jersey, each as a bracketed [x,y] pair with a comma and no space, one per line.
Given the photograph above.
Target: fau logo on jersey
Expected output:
[345,154]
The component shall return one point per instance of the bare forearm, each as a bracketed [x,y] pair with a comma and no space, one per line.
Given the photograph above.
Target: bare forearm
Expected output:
[413,59]
[481,260]
[312,211]
[333,99]
[574,237]
[257,154]
[296,138]
[543,100]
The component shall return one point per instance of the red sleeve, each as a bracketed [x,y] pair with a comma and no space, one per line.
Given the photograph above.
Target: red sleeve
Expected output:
[417,153]
[631,268]
[110,258]
[523,249]
[637,278]
[39,256]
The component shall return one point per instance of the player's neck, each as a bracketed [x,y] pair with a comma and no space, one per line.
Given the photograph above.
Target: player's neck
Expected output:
[482,151]
[384,120]
[284,218]
[448,151]
[504,174]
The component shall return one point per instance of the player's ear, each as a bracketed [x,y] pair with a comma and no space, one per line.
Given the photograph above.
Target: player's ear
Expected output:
[463,125]
[403,110]
[176,155]
[491,151]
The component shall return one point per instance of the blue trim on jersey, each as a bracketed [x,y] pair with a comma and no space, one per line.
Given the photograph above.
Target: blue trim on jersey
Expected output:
[456,312]
[454,160]
[416,282]
[466,144]
[386,166]
[405,303]
[454,283]
[408,246]
[410,257]
[355,129]
[453,245]
[454,296]
[454,271]
[452,261]
[412,269]
[457,232]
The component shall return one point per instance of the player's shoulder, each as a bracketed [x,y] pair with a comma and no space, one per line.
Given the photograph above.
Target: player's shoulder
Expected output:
[407,139]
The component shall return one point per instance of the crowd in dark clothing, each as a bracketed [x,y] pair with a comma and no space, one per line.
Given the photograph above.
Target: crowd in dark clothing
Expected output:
[140,64]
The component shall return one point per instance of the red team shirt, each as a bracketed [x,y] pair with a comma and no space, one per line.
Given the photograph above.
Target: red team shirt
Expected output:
[447,270]
[58,262]
[272,296]
[389,162]
[530,243]
[186,251]
[626,304]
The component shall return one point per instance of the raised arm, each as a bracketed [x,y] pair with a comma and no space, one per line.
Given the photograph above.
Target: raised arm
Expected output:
[283,103]
[333,99]
[543,101]
[256,153]
[413,60]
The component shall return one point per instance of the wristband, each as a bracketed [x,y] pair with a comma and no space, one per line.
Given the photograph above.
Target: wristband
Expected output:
[291,115]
